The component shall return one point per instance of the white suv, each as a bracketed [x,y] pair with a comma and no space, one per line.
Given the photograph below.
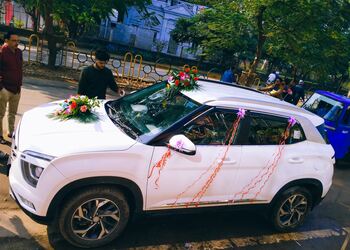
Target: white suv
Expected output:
[151,152]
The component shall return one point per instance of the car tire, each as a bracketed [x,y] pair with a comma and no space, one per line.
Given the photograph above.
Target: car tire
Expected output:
[290,209]
[94,217]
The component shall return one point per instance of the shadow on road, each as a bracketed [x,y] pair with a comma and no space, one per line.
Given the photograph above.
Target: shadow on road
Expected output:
[178,230]
[10,240]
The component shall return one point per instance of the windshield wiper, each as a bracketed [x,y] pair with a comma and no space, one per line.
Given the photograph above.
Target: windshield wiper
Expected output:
[119,122]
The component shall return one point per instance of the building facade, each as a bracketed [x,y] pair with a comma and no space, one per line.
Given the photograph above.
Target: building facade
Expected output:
[152,32]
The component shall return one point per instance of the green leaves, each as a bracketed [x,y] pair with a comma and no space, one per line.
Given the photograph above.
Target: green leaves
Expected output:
[312,36]
[76,16]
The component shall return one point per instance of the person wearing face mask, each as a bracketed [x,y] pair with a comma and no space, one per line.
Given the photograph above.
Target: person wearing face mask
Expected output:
[95,79]
[11,76]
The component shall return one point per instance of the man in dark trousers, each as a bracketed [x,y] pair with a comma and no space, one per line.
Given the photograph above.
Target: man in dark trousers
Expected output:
[298,92]
[11,76]
[95,78]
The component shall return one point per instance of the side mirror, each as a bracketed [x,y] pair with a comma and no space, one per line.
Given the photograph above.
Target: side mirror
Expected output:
[182,144]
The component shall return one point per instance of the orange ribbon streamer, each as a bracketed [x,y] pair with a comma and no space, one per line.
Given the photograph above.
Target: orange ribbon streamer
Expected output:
[267,171]
[196,199]
[160,165]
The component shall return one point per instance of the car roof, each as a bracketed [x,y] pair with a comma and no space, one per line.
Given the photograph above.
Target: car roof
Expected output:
[216,93]
[334,96]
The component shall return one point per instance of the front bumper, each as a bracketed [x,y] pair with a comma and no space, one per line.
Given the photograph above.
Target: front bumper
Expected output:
[34,201]
[39,219]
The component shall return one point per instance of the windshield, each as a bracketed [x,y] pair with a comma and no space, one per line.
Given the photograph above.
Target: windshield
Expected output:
[150,111]
[323,106]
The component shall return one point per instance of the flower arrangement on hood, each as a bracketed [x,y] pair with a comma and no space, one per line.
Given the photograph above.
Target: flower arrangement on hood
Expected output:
[183,80]
[78,107]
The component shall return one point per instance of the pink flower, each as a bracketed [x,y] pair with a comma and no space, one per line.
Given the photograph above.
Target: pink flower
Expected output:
[241,113]
[292,121]
[182,77]
[179,144]
[83,108]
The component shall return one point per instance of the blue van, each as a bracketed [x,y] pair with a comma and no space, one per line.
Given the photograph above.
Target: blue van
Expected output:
[335,110]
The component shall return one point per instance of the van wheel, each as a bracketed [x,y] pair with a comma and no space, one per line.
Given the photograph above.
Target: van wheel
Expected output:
[290,209]
[94,217]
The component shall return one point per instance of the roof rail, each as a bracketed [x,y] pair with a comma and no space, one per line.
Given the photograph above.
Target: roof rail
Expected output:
[265,103]
[230,84]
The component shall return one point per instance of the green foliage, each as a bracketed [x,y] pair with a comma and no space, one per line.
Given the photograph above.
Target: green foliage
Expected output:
[222,32]
[311,37]
[77,16]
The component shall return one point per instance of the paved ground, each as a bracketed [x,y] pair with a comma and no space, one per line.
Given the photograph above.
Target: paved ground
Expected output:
[327,228]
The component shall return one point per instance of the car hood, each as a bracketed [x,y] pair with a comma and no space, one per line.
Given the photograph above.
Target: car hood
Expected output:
[39,133]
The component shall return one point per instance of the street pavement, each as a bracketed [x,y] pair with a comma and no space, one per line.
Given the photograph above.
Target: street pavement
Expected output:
[327,227]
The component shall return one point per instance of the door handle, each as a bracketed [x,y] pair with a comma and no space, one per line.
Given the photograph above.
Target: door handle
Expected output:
[227,161]
[296,160]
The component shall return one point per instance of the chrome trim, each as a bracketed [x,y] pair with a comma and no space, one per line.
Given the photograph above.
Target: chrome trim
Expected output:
[329,127]
[211,203]
[202,113]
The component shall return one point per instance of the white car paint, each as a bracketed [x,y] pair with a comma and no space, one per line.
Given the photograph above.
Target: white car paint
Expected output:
[102,149]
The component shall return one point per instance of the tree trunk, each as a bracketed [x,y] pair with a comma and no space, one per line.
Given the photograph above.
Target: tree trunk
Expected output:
[35,19]
[49,33]
[294,73]
[261,40]
[341,80]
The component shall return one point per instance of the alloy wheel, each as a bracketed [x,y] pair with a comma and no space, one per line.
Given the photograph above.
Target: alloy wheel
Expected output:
[95,219]
[293,210]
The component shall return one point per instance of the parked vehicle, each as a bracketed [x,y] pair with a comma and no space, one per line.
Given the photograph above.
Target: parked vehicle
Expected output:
[89,178]
[335,110]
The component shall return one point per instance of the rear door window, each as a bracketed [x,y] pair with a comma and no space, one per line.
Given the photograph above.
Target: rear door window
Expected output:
[268,130]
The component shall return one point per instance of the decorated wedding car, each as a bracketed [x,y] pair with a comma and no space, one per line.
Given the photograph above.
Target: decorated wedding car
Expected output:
[85,165]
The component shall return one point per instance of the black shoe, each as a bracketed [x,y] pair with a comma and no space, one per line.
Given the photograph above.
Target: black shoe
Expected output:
[2,140]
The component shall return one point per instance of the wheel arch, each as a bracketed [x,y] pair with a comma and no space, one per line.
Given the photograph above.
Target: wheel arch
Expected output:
[314,186]
[130,189]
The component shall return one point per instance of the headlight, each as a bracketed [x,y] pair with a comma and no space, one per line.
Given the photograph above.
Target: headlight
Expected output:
[31,172]
[39,155]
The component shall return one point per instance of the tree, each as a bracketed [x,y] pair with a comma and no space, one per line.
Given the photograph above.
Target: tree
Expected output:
[74,16]
[222,31]
[310,36]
